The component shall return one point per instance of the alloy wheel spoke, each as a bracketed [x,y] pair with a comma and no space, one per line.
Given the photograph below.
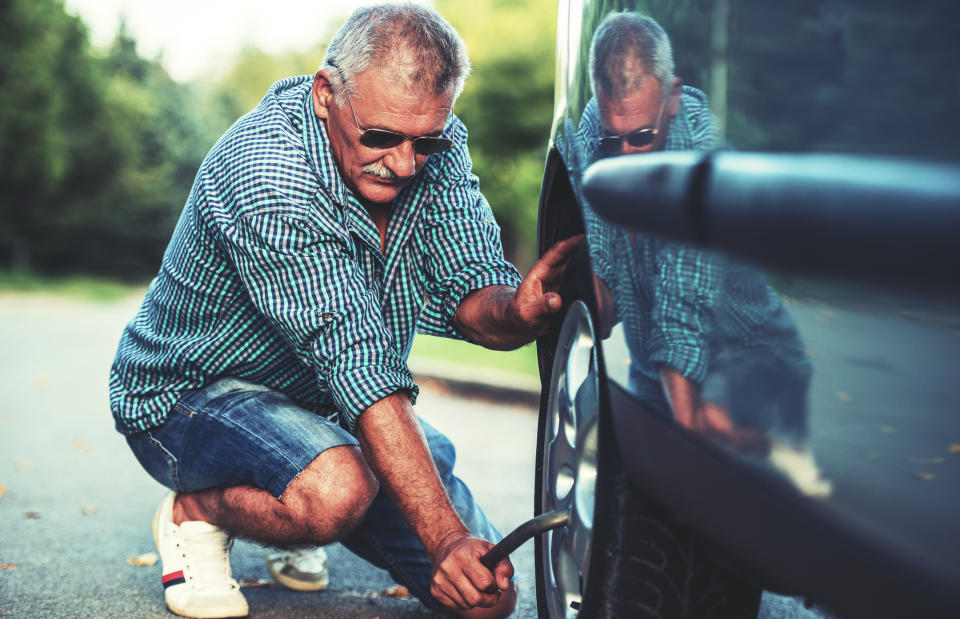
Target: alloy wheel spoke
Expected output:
[569,461]
[586,399]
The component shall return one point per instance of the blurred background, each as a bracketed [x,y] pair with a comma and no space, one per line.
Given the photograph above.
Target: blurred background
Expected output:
[107,108]
[101,135]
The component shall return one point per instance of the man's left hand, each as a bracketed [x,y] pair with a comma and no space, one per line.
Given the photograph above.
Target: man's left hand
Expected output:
[537,300]
[503,317]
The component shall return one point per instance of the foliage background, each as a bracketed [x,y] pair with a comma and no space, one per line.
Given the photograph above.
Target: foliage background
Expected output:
[99,147]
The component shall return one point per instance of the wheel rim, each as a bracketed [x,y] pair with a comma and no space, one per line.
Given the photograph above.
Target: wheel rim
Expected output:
[569,467]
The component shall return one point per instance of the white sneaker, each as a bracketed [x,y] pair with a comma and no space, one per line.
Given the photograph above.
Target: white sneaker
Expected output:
[301,570]
[800,467]
[196,567]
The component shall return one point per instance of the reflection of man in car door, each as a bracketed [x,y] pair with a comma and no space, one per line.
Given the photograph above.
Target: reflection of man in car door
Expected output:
[707,337]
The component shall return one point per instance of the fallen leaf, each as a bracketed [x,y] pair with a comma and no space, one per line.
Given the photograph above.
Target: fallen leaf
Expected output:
[146,559]
[924,475]
[42,382]
[7,566]
[32,515]
[2,489]
[396,592]
[24,465]
[357,594]
[89,510]
[954,448]
[81,446]
[927,460]
[844,397]
[255,582]
[888,429]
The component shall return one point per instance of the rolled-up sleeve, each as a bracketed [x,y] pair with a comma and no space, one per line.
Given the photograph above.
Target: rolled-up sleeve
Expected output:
[307,282]
[460,245]
[688,287]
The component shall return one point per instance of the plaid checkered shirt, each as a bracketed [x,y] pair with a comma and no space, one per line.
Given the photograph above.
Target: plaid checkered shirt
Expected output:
[680,304]
[274,273]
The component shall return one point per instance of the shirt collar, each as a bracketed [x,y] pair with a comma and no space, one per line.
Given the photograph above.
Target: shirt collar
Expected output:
[317,143]
[692,128]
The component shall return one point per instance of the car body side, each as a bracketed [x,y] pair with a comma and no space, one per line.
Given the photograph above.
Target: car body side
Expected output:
[885,543]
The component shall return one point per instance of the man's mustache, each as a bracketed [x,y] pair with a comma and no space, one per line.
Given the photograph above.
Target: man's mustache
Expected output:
[380,170]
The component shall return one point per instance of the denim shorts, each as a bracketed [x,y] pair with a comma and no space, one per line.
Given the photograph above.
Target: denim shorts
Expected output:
[234,432]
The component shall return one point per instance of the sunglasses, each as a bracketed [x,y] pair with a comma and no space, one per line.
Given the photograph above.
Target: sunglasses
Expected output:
[382,139]
[611,145]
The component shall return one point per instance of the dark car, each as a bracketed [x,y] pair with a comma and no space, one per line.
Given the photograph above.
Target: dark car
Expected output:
[753,396]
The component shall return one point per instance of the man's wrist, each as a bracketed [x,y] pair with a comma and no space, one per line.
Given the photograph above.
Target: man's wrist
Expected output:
[446,541]
[509,309]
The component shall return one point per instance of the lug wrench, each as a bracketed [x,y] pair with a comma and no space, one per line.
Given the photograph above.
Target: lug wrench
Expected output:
[534,526]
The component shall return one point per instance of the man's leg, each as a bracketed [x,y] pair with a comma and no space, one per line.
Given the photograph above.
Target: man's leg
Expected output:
[320,506]
[385,539]
[249,461]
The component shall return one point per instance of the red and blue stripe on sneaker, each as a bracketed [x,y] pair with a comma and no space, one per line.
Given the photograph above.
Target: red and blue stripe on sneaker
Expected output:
[173,578]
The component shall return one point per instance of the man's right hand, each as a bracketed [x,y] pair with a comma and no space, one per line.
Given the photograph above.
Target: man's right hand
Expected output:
[397,452]
[461,582]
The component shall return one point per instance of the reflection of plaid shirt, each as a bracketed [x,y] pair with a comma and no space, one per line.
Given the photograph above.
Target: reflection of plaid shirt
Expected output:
[274,273]
[677,303]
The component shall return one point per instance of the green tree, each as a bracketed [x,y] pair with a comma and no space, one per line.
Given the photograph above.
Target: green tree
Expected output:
[45,74]
[128,196]
[507,106]
[253,71]
[97,154]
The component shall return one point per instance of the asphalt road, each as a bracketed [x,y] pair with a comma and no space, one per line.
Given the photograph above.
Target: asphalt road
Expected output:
[75,505]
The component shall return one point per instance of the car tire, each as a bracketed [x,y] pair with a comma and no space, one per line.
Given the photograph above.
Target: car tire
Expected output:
[620,555]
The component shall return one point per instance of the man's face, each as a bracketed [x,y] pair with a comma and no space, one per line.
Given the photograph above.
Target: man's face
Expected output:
[374,175]
[641,109]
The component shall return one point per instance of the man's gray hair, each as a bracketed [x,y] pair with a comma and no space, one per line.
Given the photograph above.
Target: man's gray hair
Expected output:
[626,50]
[416,47]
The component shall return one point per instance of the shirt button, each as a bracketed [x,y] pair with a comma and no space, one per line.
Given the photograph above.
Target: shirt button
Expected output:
[327,316]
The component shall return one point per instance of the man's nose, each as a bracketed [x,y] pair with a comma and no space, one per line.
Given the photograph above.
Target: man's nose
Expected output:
[402,159]
[627,149]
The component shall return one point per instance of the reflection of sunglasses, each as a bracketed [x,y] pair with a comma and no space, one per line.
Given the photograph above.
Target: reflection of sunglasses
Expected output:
[381,139]
[610,145]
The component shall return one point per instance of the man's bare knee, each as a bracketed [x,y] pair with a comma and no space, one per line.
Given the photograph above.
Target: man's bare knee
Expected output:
[331,495]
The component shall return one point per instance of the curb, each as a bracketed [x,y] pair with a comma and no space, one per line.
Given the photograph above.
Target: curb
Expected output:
[472,381]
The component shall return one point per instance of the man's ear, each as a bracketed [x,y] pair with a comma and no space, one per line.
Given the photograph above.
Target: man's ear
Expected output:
[322,94]
[676,89]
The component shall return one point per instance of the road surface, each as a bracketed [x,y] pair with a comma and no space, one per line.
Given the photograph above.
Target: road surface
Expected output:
[75,505]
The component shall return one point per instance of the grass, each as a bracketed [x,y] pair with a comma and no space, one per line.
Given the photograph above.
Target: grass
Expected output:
[87,288]
[520,361]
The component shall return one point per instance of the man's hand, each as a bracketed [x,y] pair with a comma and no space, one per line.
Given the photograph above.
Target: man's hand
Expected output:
[504,318]
[536,300]
[397,452]
[459,579]
[707,418]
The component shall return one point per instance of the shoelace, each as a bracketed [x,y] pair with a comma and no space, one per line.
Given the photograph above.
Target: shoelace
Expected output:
[208,559]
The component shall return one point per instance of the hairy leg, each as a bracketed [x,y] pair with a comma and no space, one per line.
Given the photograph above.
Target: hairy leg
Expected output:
[321,505]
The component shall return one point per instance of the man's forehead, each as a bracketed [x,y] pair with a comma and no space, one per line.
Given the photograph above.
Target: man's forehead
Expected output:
[635,110]
[389,84]
[645,95]
[382,103]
